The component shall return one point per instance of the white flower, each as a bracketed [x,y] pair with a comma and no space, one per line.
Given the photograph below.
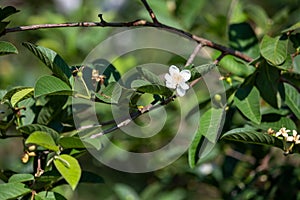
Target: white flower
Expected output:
[283,132]
[177,79]
[295,138]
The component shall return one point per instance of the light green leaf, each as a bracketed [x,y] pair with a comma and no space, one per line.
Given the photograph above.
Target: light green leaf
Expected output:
[11,92]
[52,60]
[50,85]
[234,66]
[43,139]
[274,49]
[142,86]
[7,48]
[71,142]
[292,99]
[150,76]
[13,190]
[249,135]
[110,94]
[71,172]
[19,178]
[210,127]
[292,28]
[48,195]
[21,95]
[30,128]
[201,70]
[125,192]
[247,101]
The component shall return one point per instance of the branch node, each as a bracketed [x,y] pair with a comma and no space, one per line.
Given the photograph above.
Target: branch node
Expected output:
[102,21]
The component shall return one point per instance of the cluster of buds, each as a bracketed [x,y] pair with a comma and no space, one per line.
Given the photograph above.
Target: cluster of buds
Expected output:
[289,139]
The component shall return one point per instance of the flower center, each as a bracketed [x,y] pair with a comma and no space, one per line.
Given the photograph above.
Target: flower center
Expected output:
[178,78]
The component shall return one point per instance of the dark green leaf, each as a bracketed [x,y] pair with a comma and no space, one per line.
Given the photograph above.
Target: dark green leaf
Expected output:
[201,70]
[13,190]
[277,124]
[267,81]
[292,99]
[247,101]
[21,95]
[150,76]
[50,85]
[152,89]
[108,70]
[111,93]
[292,28]
[71,142]
[7,11]
[295,39]
[274,50]
[248,135]
[19,178]
[52,60]
[3,26]
[69,168]
[30,128]
[210,127]
[90,177]
[28,114]
[243,38]
[48,195]
[43,139]
[7,48]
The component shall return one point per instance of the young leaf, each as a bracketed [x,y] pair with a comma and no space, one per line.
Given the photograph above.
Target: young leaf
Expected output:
[52,60]
[43,139]
[30,128]
[50,85]
[7,48]
[21,95]
[267,81]
[292,99]
[247,101]
[19,178]
[110,94]
[249,135]
[210,127]
[274,49]
[13,190]
[71,172]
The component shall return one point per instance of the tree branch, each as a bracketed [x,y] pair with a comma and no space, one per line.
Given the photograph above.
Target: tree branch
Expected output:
[150,11]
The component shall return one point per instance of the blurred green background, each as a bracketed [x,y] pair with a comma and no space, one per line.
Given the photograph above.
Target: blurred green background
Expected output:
[231,171]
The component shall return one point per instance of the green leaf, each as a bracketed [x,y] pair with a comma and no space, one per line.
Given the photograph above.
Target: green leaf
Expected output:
[90,177]
[111,93]
[278,124]
[152,89]
[11,92]
[7,11]
[248,135]
[21,95]
[124,192]
[235,66]
[71,142]
[69,168]
[50,85]
[7,48]
[48,195]
[3,26]
[292,28]
[247,101]
[150,76]
[13,190]
[292,99]
[274,50]
[19,178]
[267,82]
[52,60]
[243,38]
[201,70]
[43,139]
[210,127]
[30,128]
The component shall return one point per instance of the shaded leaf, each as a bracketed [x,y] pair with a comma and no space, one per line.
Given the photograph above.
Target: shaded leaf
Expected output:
[52,60]
[278,124]
[30,128]
[111,93]
[124,192]
[48,195]
[69,168]
[231,64]
[50,85]
[247,101]
[150,76]
[21,95]
[90,177]
[19,178]
[43,139]
[7,48]
[292,99]
[210,127]
[7,11]
[152,89]
[13,190]
[274,50]
[201,70]
[292,28]
[248,135]
[3,26]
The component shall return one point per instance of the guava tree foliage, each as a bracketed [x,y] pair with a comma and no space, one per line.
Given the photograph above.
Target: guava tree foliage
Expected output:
[261,75]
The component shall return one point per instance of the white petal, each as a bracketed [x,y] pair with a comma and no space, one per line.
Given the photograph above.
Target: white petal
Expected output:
[294,132]
[180,91]
[173,69]
[290,139]
[186,74]
[168,78]
[170,85]
[184,86]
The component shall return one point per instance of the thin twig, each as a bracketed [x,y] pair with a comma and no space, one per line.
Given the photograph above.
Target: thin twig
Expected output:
[194,54]
[150,11]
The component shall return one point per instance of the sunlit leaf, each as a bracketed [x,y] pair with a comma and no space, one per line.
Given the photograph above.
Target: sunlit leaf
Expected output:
[19,178]
[7,48]
[111,93]
[13,190]
[69,168]
[43,139]
[21,95]
[71,142]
